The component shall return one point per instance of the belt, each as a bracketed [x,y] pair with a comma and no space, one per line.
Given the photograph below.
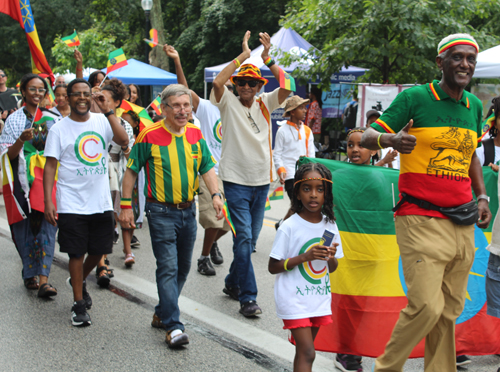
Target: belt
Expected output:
[178,206]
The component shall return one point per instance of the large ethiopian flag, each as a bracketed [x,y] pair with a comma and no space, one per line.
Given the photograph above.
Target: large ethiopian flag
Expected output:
[368,288]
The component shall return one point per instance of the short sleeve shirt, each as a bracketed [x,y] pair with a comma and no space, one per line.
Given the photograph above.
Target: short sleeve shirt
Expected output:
[246,157]
[447,133]
[172,162]
[304,291]
[211,127]
[82,151]
[314,112]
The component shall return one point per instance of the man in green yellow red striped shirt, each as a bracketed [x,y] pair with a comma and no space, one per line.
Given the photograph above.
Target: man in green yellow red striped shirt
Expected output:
[172,152]
[435,127]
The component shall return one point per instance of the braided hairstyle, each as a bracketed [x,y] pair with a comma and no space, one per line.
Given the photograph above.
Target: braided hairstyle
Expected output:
[495,107]
[300,174]
[375,158]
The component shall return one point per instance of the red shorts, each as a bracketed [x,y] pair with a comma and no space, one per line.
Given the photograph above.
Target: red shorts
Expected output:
[307,322]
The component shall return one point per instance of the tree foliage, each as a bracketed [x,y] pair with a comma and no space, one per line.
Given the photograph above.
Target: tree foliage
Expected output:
[95,48]
[395,39]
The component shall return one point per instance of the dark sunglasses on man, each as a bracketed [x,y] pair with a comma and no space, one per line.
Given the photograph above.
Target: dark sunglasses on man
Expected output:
[251,83]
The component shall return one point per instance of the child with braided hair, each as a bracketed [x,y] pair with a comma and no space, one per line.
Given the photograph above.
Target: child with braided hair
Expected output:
[302,261]
[360,155]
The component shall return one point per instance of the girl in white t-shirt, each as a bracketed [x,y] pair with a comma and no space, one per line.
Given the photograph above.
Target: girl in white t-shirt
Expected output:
[302,289]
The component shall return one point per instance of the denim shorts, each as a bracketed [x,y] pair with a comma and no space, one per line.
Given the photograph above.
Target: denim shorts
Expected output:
[493,286]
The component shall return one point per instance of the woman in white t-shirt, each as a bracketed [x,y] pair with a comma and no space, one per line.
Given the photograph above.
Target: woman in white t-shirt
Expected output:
[303,260]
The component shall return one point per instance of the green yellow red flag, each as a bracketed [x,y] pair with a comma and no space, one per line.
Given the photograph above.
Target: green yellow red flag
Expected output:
[227,216]
[368,288]
[286,81]
[268,205]
[141,112]
[71,40]
[156,105]
[153,34]
[116,60]
[277,194]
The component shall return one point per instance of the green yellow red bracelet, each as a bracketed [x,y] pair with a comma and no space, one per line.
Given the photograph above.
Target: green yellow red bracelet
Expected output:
[269,62]
[237,62]
[286,263]
[126,203]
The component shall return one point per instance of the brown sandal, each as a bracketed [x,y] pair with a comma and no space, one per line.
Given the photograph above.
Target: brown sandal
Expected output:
[47,290]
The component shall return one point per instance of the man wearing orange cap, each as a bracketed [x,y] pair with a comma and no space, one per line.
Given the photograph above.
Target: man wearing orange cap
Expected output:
[246,164]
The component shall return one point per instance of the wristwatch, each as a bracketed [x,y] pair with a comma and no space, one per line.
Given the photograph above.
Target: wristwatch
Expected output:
[483,196]
[110,112]
[218,194]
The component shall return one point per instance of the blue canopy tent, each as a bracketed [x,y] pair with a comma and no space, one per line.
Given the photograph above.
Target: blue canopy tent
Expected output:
[141,73]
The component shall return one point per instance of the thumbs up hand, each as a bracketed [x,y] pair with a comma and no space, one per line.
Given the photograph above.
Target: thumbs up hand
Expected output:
[403,141]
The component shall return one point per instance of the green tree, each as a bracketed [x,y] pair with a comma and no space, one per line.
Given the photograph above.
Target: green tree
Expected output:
[395,39]
[95,48]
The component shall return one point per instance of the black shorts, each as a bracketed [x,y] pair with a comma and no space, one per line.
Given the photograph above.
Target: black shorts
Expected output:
[92,233]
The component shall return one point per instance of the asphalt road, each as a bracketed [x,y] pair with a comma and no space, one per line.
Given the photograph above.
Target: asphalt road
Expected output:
[36,334]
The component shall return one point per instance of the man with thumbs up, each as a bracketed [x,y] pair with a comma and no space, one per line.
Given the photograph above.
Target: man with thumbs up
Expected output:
[435,128]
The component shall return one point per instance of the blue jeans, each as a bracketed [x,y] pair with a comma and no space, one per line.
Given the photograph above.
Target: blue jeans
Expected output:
[173,233]
[246,206]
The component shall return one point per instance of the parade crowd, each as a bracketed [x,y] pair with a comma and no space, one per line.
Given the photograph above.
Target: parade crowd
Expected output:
[104,169]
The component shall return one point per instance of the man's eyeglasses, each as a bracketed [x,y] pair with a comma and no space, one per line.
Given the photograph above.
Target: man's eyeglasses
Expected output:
[179,108]
[80,94]
[3,75]
[253,124]
[251,83]
[39,90]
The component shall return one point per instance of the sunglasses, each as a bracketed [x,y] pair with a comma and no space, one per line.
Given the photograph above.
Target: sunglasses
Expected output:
[3,75]
[251,83]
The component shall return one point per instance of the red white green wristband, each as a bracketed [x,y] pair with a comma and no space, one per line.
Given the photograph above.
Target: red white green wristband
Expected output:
[126,203]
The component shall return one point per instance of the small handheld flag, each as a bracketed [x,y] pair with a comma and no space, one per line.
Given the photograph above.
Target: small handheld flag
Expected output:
[268,205]
[287,81]
[486,126]
[116,60]
[227,216]
[71,40]
[277,194]
[153,34]
[50,93]
[156,105]
[142,113]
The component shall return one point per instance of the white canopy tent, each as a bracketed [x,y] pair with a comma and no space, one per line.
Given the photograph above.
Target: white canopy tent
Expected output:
[488,63]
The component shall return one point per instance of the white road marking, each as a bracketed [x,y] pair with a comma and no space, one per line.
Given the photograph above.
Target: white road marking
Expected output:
[243,331]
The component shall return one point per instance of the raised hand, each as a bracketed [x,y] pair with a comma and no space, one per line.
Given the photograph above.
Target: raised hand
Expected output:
[265,40]
[403,141]
[78,56]
[244,45]
[170,51]
[390,156]
[101,101]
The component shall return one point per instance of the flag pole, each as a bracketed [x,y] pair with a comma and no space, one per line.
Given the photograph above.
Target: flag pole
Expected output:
[34,117]
[102,82]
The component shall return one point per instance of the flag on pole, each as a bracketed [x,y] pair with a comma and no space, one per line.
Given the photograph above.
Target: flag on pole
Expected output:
[227,216]
[277,194]
[71,40]
[20,10]
[141,112]
[43,115]
[368,288]
[286,81]
[156,105]
[268,205]
[116,60]
[153,34]
[50,93]
[486,126]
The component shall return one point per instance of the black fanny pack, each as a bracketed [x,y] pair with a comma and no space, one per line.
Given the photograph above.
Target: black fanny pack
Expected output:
[465,214]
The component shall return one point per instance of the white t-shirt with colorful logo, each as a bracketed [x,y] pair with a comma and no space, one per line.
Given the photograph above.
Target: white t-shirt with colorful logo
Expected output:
[304,291]
[211,128]
[82,151]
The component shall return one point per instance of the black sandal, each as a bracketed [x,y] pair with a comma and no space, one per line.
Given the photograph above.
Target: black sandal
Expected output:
[102,276]
[31,283]
[46,290]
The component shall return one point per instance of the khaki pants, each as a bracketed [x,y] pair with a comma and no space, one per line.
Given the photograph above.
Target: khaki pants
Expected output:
[437,256]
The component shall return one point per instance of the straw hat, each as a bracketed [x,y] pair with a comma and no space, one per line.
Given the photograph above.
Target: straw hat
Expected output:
[292,103]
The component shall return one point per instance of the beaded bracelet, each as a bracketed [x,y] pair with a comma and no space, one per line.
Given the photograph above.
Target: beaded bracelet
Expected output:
[286,263]
[237,62]
[126,203]
[378,140]
[269,62]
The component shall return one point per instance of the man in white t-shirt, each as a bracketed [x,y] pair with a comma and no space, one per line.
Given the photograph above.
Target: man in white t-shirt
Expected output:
[246,164]
[84,213]
[211,128]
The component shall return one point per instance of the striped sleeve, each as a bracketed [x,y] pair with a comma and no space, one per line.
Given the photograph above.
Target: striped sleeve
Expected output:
[396,116]
[139,156]
[207,160]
